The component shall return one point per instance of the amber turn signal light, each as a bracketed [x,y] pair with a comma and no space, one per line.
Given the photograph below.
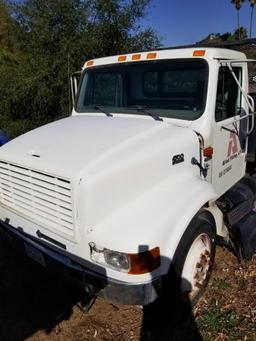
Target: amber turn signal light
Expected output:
[208,152]
[143,262]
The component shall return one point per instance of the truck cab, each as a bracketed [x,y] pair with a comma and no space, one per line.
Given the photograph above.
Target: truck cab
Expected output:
[142,179]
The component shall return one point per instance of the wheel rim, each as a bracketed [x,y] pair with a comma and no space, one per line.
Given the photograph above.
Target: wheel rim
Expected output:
[196,266]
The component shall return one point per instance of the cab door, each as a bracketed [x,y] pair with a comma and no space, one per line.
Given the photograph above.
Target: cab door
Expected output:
[229,133]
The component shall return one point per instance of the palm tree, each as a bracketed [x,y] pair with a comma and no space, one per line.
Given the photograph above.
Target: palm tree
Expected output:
[238,5]
[252,4]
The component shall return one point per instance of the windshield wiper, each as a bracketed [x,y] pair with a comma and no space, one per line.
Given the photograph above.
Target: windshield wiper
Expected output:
[98,107]
[144,110]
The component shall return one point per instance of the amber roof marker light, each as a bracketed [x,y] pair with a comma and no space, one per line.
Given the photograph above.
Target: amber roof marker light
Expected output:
[122,58]
[198,53]
[136,56]
[90,63]
[152,55]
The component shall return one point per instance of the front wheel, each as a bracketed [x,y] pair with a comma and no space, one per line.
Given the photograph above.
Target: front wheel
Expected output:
[193,259]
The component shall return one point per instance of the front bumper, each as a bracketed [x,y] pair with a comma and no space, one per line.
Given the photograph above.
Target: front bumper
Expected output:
[78,270]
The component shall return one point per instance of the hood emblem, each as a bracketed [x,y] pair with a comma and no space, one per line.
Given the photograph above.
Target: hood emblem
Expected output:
[177,159]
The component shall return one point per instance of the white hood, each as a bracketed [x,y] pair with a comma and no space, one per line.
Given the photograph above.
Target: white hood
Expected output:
[66,147]
[113,163]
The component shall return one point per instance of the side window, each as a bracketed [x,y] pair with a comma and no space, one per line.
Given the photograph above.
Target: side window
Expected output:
[228,101]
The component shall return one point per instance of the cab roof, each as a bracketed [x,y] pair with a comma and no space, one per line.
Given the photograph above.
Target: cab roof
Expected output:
[181,53]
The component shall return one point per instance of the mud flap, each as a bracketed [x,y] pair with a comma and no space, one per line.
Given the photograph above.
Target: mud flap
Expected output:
[244,236]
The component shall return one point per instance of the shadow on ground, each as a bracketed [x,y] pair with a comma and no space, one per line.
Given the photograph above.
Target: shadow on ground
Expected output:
[170,317]
[163,322]
[30,298]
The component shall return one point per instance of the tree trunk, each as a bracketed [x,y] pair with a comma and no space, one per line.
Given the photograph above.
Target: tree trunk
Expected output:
[238,24]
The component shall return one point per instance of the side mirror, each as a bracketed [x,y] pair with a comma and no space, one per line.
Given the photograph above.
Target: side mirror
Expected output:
[252,98]
[243,128]
[74,81]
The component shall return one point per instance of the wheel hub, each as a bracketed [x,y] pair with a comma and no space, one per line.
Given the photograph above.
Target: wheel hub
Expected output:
[196,266]
[202,268]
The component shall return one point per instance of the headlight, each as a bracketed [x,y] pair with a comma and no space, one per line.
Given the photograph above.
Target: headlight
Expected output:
[114,259]
[117,260]
[132,263]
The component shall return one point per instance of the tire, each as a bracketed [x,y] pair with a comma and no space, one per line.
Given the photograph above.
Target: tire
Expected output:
[194,257]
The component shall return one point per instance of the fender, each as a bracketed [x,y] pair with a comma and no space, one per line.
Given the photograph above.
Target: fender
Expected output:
[159,217]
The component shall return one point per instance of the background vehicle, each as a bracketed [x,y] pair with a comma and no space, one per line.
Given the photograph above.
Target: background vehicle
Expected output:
[153,175]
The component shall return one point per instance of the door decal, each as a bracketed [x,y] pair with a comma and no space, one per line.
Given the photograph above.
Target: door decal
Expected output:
[232,146]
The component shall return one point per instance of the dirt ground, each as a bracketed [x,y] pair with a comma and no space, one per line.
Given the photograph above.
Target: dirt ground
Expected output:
[37,306]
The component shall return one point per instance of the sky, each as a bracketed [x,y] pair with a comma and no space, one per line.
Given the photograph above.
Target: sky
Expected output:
[181,22]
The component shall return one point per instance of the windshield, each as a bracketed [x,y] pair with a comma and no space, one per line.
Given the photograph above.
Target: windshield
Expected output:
[173,88]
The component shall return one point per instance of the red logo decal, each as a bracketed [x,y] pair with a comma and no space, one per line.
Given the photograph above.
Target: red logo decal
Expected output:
[232,147]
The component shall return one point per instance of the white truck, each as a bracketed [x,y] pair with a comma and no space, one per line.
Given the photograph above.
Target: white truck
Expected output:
[143,177]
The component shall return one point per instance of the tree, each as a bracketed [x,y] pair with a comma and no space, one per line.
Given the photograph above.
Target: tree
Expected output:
[240,33]
[114,27]
[218,38]
[6,34]
[238,5]
[54,38]
[252,4]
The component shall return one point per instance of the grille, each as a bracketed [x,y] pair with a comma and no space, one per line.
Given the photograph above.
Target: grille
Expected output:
[42,198]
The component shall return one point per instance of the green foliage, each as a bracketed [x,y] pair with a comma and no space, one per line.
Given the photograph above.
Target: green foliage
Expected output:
[215,320]
[240,33]
[237,3]
[43,41]
[6,35]
[241,283]
[114,26]
[220,283]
